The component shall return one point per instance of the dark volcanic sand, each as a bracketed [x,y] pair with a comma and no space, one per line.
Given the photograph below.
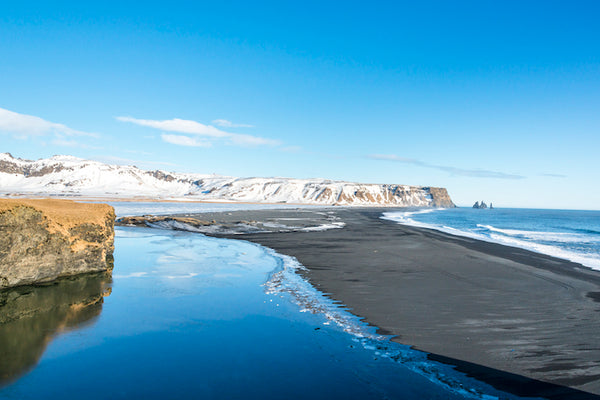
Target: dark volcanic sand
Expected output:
[487,308]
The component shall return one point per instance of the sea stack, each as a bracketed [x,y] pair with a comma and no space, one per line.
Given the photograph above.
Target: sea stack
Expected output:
[479,205]
[41,240]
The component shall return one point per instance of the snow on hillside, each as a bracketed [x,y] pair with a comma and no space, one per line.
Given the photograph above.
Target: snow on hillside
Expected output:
[72,176]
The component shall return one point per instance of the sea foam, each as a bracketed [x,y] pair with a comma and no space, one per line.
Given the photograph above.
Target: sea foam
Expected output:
[560,240]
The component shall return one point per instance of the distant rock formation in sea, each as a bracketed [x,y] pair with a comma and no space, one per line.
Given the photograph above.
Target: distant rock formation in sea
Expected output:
[75,177]
[481,205]
[41,240]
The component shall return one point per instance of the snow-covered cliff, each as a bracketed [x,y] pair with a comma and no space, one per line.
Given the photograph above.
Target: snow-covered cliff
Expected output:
[72,176]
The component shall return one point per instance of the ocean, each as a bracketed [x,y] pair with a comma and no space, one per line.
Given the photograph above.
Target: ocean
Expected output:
[189,316]
[568,234]
[128,208]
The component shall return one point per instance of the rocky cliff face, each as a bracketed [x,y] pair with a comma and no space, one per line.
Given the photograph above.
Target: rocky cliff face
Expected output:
[41,240]
[440,198]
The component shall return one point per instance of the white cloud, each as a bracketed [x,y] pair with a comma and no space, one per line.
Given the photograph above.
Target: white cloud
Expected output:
[178,125]
[228,124]
[185,140]
[197,128]
[25,126]
[473,173]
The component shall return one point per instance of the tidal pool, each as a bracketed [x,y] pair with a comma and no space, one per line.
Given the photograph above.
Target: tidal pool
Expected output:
[189,316]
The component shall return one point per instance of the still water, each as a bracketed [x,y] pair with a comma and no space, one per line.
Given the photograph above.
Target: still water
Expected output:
[188,316]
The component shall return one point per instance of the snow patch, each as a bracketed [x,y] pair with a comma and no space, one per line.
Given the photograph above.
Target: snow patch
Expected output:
[72,176]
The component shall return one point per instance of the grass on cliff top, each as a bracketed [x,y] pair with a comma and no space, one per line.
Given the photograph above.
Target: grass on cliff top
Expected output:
[66,213]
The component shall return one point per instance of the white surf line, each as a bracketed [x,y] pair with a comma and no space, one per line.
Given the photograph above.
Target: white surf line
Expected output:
[552,251]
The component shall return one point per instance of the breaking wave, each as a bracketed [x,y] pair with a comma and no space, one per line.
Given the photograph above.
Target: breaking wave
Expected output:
[580,245]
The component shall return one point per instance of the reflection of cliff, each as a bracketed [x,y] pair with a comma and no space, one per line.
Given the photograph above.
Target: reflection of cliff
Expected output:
[31,316]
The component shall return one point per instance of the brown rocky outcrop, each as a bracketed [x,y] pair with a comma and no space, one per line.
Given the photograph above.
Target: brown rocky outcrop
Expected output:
[147,220]
[41,240]
[440,197]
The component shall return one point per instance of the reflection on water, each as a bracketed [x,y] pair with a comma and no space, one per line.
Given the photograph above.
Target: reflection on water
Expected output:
[30,316]
[198,317]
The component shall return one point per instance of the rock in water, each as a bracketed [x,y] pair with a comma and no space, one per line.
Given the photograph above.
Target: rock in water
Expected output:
[41,240]
[479,205]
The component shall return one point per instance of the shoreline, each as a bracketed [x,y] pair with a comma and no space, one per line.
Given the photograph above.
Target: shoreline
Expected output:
[522,321]
[510,241]
[184,200]
[516,253]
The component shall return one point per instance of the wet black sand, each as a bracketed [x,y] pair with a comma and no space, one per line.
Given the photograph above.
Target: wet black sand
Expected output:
[525,322]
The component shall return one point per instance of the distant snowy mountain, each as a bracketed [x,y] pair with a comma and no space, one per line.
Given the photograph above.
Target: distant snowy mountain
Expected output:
[76,177]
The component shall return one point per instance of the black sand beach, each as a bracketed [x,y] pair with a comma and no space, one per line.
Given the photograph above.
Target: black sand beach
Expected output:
[524,322]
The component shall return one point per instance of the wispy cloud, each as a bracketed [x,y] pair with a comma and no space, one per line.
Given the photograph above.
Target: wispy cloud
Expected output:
[208,132]
[178,125]
[228,124]
[478,173]
[25,126]
[185,140]
[473,173]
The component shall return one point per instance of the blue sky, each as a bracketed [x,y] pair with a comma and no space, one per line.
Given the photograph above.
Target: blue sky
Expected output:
[497,101]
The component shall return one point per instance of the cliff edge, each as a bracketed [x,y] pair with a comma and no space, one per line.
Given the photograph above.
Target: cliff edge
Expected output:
[79,178]
[440,198]
[41,240]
